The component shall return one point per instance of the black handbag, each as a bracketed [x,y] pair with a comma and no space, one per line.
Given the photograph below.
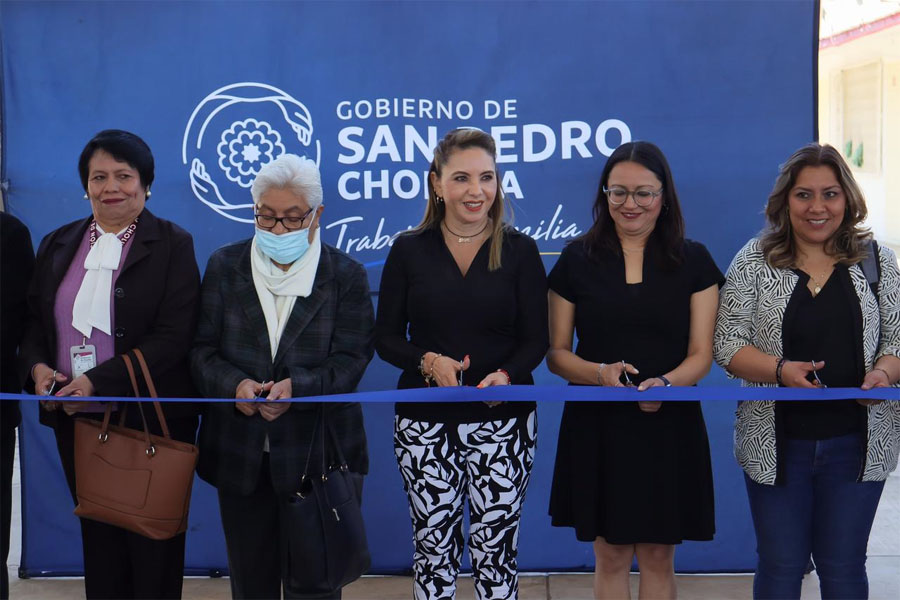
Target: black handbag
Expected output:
[325,546]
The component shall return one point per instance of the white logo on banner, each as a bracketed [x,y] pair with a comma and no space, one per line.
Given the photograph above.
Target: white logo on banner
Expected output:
[233,133]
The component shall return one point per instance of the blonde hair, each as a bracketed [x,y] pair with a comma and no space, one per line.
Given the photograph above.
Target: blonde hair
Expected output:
[461,139]
[848,244]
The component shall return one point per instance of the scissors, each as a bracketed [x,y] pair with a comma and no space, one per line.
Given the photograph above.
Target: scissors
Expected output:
[52,387]
[815,374]
[628,381]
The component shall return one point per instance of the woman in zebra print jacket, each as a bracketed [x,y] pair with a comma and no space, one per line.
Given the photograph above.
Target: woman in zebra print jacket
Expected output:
[798,310]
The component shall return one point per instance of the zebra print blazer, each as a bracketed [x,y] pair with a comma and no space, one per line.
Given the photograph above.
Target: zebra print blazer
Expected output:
[751,311]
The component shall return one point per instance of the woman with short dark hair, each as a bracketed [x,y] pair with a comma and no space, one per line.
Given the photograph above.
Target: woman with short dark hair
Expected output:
[634,478]
[813,301]
[117,280]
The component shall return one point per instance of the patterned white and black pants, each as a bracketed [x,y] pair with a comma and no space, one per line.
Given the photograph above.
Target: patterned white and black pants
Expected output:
[443,464]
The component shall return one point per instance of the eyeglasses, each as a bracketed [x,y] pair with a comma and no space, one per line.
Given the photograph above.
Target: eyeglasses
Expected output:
[289,223]
[618,195]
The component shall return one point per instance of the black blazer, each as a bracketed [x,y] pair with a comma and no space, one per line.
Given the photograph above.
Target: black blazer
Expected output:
[157,298]
[325,348]
[16,265]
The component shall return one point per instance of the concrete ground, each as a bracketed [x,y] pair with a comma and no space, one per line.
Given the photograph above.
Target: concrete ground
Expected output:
[883,567]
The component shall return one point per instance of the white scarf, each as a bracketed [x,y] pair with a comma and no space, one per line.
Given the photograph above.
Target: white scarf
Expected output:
[91,307]
[278,290]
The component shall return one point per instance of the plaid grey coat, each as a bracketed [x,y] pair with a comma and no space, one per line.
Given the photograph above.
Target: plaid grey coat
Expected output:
[325,348]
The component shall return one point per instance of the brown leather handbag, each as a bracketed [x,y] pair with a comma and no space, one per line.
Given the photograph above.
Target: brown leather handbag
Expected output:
[132,479]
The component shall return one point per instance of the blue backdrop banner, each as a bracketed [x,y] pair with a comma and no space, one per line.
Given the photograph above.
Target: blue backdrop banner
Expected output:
[219,89]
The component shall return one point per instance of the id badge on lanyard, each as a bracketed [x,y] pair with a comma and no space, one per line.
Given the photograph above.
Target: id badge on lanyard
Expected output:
[83,358]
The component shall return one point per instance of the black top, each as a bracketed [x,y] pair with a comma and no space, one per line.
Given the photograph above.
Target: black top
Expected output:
[16,265]
[645,324]
[825,327]
[498,319]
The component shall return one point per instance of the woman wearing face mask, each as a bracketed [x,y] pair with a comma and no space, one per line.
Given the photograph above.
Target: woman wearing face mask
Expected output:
[283,316]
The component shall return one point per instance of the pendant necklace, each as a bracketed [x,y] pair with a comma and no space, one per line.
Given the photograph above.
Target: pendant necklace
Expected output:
[818,286]
[461,239]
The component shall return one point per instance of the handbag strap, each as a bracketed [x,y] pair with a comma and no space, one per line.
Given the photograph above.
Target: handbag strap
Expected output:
[321,423]
[130,368]
[145,371]
[312,441]
[337,446]
[104,427]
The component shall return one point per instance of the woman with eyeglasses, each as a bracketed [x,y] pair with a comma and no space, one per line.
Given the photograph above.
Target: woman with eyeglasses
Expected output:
[813,301]
[634,478]
[463,301]
[283,316]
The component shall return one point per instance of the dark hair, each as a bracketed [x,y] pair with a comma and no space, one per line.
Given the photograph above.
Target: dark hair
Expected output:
[122,146]
[462,139]
[848,244]
[668,234]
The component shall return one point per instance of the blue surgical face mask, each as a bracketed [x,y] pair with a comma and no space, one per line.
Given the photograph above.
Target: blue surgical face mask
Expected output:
[285,248]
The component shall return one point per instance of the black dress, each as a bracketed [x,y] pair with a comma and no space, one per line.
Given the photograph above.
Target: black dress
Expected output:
[622,474]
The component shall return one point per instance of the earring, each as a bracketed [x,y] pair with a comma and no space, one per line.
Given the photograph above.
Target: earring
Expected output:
[439,198]
[148,194]
[86,196]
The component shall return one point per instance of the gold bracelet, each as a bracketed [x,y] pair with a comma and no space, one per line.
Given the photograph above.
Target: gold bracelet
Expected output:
[429,377]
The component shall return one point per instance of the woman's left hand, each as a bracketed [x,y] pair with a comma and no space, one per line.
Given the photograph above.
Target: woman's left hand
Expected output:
[271,410]
[876,378]
[495,378]
[80,386]
[648,406]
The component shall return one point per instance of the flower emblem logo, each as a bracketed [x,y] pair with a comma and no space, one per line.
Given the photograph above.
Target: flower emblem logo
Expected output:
[234,132]
[245,148]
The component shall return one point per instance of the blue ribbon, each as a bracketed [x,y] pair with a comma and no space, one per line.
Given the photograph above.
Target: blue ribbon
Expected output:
[557,393]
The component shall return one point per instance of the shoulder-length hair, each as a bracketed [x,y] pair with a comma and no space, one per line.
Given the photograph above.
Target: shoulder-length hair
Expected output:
[667,235]
[847,244]
[462,139]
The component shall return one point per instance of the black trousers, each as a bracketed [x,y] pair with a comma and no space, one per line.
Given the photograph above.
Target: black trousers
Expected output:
[253,529]
[7,460]
[119,563]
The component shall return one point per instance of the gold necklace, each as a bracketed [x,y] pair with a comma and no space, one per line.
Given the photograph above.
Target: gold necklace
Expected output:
[818,286]
[461,239]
